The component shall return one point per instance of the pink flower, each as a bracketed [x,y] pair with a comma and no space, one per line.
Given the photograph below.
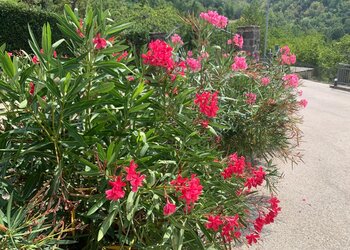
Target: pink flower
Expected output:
[135,178]
[265,81]
[55,54]
[303,103]
[169,208]
[229,41]
[214,222]
[291,80]
[9,54]
[130,78]
[238,40]
[176,39]
[189,53]
[208,103]
[193,64]
[159,54]
[214,18]
[300,92]
[35,60]
[31,88]
[100,43]
[204,55]
[285,50]
[239,64]
[205,123]
[251,98]
[252,238]
[117,191]
[225,55]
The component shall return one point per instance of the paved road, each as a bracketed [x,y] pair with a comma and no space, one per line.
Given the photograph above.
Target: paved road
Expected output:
[315,195]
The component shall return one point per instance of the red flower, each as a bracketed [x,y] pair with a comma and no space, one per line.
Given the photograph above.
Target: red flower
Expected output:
[100,43]
[169,208]
[259,224]
[117,191]
[252,238]
[236,166]
[190,189]
[122,56]
[229,229]
[208,103]
[159,54]
[55,54]
[31,88]
[214,222]
[35,60]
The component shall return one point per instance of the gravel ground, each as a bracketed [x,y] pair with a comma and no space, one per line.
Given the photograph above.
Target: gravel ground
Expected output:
[315,195]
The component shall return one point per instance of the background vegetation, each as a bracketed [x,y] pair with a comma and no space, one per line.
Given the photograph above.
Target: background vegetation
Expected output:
[318,31]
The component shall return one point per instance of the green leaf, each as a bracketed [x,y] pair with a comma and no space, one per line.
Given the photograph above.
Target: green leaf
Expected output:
[139,107]
[7,64]
[138,90]
[117,28]
[106,224]
[8,211]
[70,12]
[102,88]
[96,206]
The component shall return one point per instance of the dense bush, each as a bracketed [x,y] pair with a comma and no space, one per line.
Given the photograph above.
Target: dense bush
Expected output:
[14,20]
[100,149]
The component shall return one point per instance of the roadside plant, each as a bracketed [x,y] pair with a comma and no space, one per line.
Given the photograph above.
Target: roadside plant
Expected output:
[161,150]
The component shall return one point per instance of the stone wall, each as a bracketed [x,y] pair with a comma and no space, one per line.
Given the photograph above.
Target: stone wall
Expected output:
[251,37]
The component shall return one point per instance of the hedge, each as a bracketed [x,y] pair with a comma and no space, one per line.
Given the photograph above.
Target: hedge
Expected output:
[14,29]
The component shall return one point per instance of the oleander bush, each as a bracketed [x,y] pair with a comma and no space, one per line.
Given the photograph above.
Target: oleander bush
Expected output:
[166,150]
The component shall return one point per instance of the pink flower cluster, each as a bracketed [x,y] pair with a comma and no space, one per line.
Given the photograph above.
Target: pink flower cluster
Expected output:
[235,166]
[99,42]
[286,57]
[190,190]
[303,103]
[208,103]
[176,39]
[250,98]
[194,64]
[239,64]
[237,40]
[135,179]
[230,227]
[265,81]
[214,18]
[159,54]
[291,80]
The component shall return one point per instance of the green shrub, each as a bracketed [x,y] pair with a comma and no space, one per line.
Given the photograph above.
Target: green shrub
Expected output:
[14,20]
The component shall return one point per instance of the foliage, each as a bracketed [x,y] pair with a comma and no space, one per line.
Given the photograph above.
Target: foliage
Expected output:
[14,19]
[75,129]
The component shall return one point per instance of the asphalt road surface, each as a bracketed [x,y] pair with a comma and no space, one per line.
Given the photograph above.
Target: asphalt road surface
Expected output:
[315,195]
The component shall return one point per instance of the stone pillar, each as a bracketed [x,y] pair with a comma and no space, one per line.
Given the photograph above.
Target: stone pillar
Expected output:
[251,37]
